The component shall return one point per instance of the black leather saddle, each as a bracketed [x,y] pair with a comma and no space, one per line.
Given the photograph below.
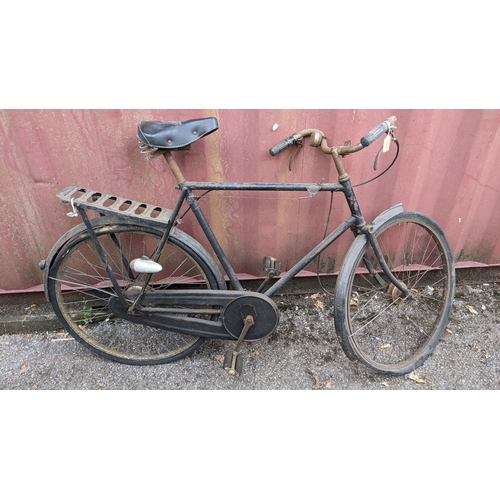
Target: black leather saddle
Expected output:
[175,135]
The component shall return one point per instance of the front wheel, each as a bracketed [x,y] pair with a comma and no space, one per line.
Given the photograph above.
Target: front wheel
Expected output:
[375,323]
[79,290]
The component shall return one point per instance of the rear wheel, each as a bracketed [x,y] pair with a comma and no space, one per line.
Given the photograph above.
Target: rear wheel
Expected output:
[375,323]
[79,290]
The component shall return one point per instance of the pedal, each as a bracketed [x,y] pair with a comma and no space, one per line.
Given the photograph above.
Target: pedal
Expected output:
[272,265]
[232,360]
[233,363]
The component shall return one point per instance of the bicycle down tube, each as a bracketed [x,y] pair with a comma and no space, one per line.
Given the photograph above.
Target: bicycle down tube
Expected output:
[195,206]
[355,220]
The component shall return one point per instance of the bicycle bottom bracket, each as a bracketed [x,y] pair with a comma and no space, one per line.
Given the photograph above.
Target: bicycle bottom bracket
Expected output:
[261,308]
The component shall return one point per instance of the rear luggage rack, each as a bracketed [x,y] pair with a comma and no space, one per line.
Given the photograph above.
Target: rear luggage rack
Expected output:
[114,205]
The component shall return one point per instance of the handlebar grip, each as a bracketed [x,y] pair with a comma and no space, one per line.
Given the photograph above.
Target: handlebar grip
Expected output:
[282,145]
[374,134]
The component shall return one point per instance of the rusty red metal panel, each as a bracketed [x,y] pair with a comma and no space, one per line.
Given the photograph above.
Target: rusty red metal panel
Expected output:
[448,168]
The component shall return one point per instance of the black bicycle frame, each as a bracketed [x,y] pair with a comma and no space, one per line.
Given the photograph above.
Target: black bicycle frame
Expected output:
[187,194]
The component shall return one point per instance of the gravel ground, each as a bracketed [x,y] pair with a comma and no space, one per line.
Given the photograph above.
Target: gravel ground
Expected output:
[302,354]
[302,442]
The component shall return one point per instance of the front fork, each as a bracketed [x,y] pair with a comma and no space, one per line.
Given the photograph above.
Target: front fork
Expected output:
[366,229]
[385,268]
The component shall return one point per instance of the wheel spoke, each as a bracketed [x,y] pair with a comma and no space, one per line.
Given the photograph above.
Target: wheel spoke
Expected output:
[386,331]
[80,288]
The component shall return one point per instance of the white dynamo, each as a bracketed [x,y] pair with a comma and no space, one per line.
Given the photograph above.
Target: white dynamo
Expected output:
[145,265]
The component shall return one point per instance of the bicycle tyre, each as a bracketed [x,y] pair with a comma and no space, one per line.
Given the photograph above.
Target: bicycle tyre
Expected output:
[375,324]
[79,289]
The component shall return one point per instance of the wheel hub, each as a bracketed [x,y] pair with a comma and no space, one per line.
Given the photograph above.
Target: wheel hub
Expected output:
[394,292]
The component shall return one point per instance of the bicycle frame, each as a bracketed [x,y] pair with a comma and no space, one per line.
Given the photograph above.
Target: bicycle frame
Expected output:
[157,310]
[355,222]
[356,219]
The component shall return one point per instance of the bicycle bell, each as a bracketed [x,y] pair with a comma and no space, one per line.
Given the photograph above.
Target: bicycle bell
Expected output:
[315,139]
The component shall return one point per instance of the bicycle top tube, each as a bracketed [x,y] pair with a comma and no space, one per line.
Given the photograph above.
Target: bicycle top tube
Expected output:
[312,188]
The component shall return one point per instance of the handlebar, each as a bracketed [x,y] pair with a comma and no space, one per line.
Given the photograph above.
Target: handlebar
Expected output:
[317,138]
[282,145]
[365,141]
[375,133]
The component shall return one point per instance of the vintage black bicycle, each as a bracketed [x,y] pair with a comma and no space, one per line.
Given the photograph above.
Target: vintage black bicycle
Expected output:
[131,286]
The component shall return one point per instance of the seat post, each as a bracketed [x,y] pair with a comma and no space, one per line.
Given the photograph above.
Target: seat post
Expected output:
[174,167]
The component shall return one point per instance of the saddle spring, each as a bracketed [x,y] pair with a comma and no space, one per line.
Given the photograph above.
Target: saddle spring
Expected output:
[149,151]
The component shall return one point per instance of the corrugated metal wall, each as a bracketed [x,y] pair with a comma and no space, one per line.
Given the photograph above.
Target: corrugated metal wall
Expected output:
[448,168]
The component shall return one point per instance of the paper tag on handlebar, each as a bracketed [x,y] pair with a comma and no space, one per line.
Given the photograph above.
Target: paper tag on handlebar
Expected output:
[387,143]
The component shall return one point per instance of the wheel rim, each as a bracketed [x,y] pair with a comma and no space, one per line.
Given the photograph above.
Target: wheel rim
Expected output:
[82,290]
[387,331]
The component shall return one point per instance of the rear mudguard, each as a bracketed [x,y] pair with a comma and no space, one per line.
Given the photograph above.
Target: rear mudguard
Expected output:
[110,221]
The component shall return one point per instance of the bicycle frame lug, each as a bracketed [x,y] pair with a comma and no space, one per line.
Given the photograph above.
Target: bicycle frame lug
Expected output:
[367,229]
[313,189]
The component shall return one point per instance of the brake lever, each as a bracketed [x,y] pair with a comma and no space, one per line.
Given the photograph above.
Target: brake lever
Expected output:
[377,159]
[384,147]
[298,143]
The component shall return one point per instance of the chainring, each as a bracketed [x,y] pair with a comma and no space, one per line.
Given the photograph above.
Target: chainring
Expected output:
[260,307]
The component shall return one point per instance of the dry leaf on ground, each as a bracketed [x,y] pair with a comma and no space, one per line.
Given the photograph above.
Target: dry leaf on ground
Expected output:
[417,379]
[471,309]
